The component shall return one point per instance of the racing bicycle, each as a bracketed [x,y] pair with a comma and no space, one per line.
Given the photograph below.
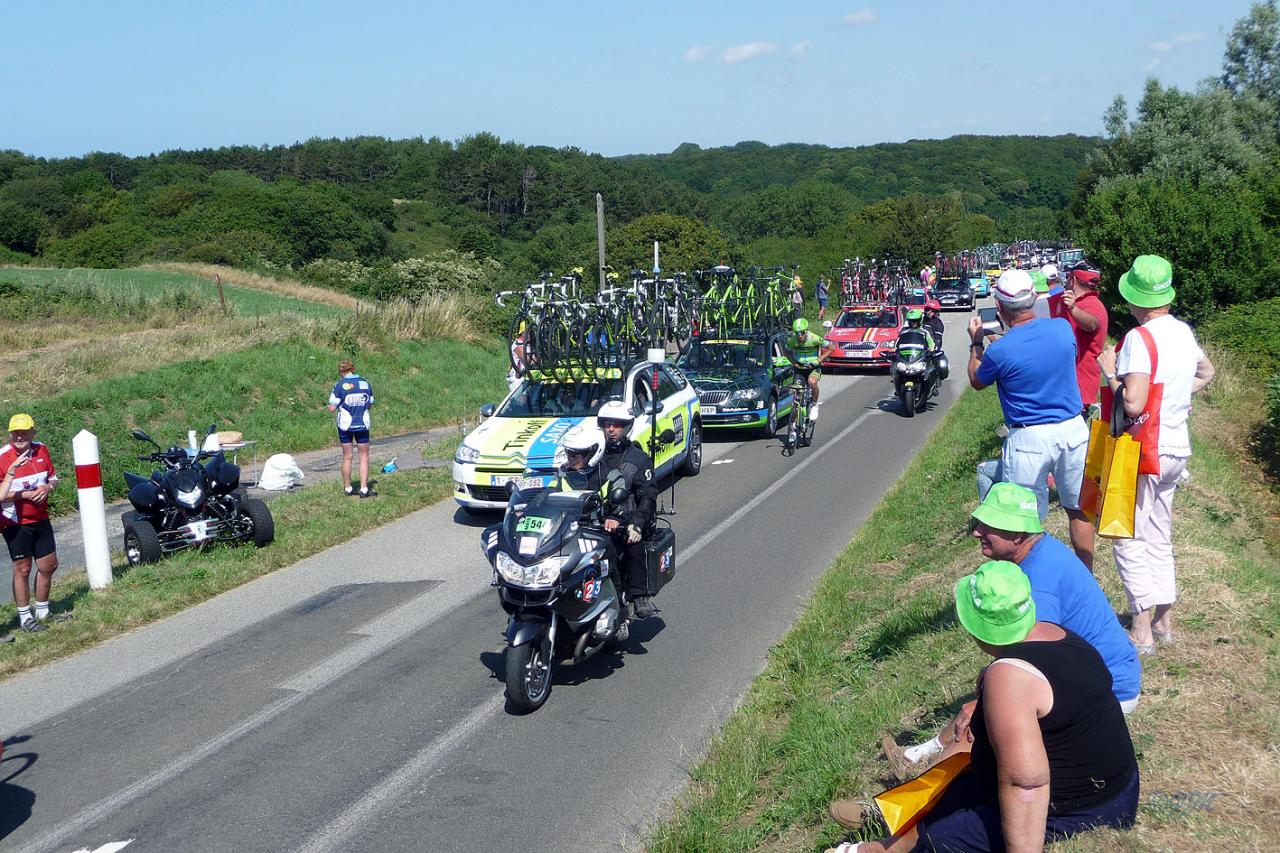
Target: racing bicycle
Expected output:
[800,426]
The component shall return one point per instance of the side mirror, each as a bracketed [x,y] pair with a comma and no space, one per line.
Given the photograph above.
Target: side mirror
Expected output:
[212,429]
[141,436]
[827,324]
[655,407]
[487,410]
[667,436]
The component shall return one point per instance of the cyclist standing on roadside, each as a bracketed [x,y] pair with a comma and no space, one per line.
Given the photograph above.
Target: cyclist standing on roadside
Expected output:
[352,398]
[803,349]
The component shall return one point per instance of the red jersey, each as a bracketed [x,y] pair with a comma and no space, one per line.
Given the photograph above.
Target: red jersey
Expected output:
[37,471]
[1088,345]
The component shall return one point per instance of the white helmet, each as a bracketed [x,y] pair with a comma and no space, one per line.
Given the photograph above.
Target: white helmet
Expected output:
[615,410]
[585,438]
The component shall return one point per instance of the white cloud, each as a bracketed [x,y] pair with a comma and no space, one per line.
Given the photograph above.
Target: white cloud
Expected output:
[1153,64]
[861,18]
[1164,46]
[750,50]
[800,49]
[697,53]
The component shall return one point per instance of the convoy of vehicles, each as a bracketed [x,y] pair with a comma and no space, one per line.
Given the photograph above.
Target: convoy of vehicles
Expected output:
[741,382]
[954,293]
[864,336]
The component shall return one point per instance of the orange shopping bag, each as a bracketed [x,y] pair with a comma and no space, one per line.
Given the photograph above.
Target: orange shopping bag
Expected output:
[1120,489]
[907,803]
[1091,487]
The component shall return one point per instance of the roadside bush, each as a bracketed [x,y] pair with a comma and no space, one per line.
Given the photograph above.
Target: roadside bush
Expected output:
[1251,332]
[119,244]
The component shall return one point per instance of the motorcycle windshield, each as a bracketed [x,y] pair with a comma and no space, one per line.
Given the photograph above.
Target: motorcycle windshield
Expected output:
[537,530]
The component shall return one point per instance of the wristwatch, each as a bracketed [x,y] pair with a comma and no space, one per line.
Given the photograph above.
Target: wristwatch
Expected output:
[1110,377]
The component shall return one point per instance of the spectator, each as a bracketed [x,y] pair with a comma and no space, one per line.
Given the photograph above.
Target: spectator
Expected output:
[797,294]
[1064,593]
[1033,368]
[1083,309]
[351,398]
[1051,754]
[1145,562]
[821,292]
[1041,284]
[24,504]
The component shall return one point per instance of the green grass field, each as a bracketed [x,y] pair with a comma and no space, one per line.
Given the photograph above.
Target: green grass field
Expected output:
[153,283]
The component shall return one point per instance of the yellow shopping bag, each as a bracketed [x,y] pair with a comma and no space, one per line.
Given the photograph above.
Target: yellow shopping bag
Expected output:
[902,806]
[1091,487]
[1120,489]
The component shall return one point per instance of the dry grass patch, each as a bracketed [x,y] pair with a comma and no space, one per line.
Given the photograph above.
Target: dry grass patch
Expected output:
[270,284]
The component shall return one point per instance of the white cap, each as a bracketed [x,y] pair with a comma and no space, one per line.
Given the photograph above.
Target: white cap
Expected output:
[1013,284]
[1050,271]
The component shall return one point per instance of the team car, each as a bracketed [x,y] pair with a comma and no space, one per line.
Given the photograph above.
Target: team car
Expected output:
[954,293]
[863,336]
[739,381]
[519,439]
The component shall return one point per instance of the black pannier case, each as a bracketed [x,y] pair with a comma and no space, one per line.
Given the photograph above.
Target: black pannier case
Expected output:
[660,559]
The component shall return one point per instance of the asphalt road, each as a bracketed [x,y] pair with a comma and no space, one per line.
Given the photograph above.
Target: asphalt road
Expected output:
[354,701]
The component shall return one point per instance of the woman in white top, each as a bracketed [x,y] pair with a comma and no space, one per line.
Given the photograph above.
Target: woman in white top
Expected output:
[1145,562]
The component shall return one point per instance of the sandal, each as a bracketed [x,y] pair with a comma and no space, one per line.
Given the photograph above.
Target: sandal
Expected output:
[845,847]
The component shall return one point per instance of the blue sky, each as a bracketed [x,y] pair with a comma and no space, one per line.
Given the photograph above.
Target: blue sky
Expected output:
[605,76]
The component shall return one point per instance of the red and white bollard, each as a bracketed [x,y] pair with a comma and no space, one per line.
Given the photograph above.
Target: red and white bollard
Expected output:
[93,508]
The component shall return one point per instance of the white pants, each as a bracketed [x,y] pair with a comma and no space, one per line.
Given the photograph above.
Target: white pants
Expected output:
[1145,562]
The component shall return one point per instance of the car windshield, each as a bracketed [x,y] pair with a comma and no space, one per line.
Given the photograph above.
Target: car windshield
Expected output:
[916,297]
[708,355]
[559,399]
[949,284]
[887,319]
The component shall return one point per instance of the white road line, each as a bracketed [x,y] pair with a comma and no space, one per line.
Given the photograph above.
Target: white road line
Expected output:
[732,519]
[113,847]
[384,632]
[337,834]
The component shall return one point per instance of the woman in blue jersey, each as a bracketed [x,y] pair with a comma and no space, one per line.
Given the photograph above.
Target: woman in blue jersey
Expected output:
[351,398]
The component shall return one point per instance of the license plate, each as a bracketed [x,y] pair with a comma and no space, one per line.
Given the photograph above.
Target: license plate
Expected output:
[199,530]
[863,354]
[520,480]
[709,410]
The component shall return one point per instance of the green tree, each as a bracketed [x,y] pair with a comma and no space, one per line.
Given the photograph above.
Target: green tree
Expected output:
[684,243]
[1252,62]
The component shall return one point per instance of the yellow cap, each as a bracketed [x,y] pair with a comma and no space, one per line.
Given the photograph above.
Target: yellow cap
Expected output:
[21,421]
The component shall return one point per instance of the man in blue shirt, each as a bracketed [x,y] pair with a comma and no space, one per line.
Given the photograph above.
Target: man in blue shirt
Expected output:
[352,398]
[1033,369]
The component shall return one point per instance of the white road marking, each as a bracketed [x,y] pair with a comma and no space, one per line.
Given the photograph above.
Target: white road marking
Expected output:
[337,834]
[113,847]
[723,462]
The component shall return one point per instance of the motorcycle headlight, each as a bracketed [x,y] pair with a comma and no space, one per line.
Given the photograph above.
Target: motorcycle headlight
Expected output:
[190,499]
[466,454]
[543,573]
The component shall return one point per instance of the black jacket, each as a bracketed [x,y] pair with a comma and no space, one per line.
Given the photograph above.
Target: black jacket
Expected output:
[935,326]
[637,472]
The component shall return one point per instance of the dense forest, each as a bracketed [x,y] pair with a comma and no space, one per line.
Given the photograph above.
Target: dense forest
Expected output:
[326,207]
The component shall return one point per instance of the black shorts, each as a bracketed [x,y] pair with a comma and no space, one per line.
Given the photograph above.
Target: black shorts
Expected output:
[29,540]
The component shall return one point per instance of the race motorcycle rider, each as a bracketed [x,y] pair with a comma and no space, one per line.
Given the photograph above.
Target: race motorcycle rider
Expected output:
[627,524]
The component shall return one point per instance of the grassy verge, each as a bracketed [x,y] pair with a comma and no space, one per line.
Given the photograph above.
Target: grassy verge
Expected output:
[274,393]
[307,522]
[247,295]
[878,650]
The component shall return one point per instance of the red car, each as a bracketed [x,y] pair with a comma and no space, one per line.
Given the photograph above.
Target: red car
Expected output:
[863,336]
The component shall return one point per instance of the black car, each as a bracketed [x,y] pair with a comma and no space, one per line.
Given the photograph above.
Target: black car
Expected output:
[954,293]
[741,382]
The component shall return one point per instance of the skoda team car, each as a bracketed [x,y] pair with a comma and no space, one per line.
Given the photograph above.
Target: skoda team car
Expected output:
[519,438]
[864,336]
[954,293]
[740,382]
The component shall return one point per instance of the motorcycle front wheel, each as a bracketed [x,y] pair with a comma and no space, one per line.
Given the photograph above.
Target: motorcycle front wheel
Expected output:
[528,676]
[909,402]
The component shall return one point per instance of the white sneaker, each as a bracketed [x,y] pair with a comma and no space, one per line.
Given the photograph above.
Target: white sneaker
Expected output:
[813,411]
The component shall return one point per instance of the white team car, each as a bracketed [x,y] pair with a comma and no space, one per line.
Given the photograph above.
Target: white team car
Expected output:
[519,438]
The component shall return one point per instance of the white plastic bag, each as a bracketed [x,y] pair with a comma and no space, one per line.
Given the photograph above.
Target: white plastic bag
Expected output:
[280,472]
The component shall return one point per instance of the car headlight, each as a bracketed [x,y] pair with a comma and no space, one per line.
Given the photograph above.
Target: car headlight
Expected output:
[542,573]
[190,499]
[746,395]
[466,454]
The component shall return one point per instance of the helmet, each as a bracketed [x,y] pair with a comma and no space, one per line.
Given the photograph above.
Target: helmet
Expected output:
[800,326]
[933,305]
[616,411]
[915,315]
[585,439]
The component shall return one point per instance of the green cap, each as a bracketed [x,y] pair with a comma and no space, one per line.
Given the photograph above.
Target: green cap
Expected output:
[1039,280]
[994,603]
[1010,507]
[915,314]
[1148,283]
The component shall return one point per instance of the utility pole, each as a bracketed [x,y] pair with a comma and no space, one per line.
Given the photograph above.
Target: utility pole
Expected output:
[600,236]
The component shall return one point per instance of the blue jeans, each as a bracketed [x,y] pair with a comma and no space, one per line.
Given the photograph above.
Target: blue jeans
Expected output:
[989,473]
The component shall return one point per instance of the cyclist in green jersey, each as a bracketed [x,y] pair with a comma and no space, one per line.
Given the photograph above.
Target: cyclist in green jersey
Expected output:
[804,348]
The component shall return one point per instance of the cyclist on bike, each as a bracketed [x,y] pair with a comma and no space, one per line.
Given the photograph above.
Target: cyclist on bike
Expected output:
[628,523]
[803,349]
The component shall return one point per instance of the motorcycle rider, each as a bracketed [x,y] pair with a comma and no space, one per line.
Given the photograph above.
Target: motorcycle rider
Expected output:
[933,322]
[804,348]
[627,523]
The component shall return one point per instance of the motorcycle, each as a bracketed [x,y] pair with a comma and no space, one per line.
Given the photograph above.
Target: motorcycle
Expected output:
[557,575]
[916,373]
[187,504]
